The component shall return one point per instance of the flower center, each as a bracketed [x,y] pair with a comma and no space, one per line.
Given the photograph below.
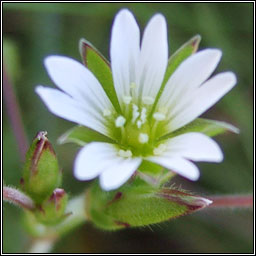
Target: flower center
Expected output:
[138,129]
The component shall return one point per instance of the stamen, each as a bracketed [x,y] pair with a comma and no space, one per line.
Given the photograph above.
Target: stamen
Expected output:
[147,100]
[159,116]
[159,150]
[139,124]
[127,99]
[135,112]
[125,153]
[143,138]
[106,112]
[120,121]
[143,115]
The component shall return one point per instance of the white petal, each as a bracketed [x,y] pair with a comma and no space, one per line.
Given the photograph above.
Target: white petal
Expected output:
[98,158]
[201,99]
[189,75]
[76,80]
[66,107]
[194,146]
[93,159]
[181,166]
[153,57]
[118,173]
[124,52]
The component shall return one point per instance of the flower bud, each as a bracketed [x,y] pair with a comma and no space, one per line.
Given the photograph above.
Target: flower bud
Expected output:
[139,204]
[52,210]
[41,174]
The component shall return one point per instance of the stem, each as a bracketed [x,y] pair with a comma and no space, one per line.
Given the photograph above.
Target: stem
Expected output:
[41,246]
[51,235]
[18,198]
[76,206]
[238,201]
[13,111]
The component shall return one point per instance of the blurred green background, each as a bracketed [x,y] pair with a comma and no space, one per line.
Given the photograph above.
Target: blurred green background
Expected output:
[33,31]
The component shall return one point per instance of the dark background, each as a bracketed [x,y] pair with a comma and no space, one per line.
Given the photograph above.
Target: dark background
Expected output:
[33,31]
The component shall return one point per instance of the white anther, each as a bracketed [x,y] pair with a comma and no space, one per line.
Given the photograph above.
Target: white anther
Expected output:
[106,112]
[143,115]
[139,124]
[132,85]
[125,153]
[159,116]
[135,112]
[135,107]
[120,121]
[127,99]
[147,100]
[143,138]
[159,150]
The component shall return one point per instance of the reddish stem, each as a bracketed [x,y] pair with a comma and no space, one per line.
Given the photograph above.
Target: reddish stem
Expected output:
[232,201]
[16,197]
[13,111]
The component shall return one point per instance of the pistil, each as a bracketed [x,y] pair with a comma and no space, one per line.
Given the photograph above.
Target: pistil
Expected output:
[137,130]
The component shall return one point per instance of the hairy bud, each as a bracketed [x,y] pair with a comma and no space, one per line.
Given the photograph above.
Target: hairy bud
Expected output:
[41,174]
[52,210]
[139,204]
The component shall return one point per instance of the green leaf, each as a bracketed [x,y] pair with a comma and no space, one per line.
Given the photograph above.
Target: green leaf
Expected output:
[176,59]
[100,67]
[206,126]
[82,135]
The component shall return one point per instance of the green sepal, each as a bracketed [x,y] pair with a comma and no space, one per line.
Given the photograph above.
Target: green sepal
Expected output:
[180,55]
[41,173]
[32,226]
[138,204]
[100,67]
[52,210]
[206,126]
[150,168]
[176,59]
[153,173]
[82,135]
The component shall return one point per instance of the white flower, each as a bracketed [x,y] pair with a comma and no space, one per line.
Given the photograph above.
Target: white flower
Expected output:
[138,72]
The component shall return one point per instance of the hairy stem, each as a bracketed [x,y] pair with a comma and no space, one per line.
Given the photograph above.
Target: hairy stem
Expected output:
[41,246]
[13,112]
[238,201]
[18,198]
